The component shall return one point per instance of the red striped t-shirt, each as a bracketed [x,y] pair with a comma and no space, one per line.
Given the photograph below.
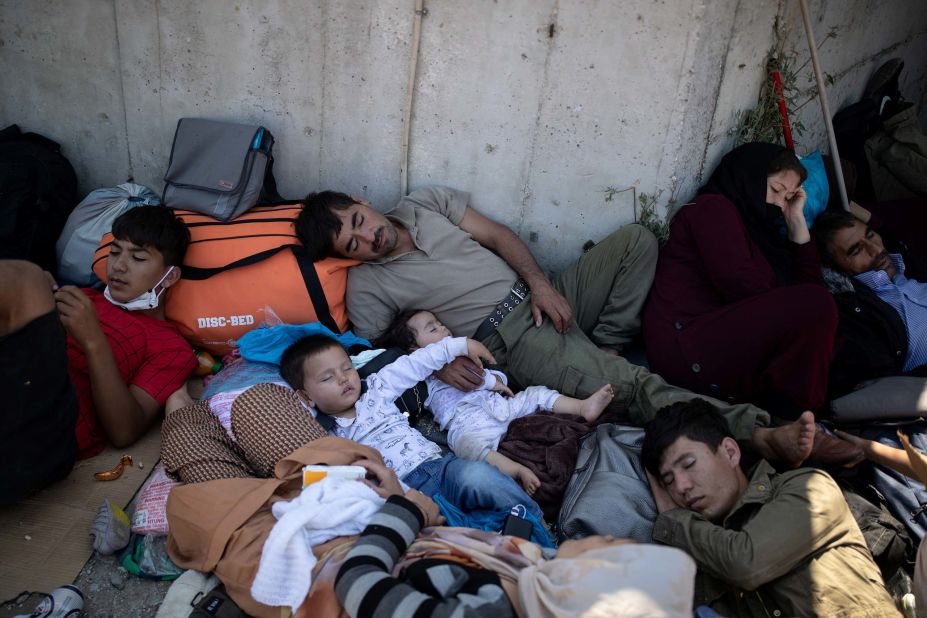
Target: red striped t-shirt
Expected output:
[149,353]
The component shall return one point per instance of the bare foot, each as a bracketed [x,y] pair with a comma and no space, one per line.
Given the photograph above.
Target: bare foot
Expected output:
[591,407]
[614,351]
[528,479]
[789,444]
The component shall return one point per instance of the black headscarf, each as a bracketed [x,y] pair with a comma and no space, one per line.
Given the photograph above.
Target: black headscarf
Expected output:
[741,178]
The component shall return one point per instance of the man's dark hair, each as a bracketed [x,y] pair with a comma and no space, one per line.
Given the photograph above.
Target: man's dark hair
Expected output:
[695,419]
[825,228]
[291,363]
[398,332]
[317,224]
[156,227]
[785,159]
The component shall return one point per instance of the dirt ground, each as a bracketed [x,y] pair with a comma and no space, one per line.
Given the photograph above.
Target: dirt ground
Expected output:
[109,592]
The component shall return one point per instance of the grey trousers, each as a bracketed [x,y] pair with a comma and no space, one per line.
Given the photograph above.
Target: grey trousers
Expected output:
[607,289]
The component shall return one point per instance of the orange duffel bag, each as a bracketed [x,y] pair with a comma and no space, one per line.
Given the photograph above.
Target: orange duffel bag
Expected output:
[240,273]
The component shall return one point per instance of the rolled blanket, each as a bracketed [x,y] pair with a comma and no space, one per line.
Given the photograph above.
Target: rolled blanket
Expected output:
[548,444]
[324,510]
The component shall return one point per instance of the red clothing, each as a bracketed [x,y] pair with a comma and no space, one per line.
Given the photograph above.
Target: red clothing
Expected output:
[149,353]
[717,323]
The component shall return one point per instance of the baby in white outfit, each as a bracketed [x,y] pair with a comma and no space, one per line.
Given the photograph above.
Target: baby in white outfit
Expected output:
[477,420]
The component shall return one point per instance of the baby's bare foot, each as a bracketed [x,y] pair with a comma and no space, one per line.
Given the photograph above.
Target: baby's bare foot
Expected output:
[591,407]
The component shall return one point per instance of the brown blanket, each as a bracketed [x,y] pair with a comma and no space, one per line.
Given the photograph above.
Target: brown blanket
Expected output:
[548,444]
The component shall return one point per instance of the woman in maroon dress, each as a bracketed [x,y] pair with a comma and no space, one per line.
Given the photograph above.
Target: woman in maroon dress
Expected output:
[737,310]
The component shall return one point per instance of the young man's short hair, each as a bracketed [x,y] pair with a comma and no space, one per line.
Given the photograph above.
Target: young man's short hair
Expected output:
[398,332]
[291,363]
[317,224]
[156,227]
[825,227]
[695,419]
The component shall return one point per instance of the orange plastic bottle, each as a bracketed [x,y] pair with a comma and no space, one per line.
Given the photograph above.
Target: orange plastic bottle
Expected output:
[206,364]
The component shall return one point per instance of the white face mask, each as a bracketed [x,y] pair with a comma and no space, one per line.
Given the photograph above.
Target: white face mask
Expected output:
[147,300]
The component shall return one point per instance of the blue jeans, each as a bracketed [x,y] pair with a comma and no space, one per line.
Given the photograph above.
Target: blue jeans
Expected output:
[471,485]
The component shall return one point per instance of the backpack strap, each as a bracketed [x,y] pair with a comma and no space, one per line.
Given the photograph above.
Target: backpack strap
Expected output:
[306,269]
[314,287]
[194,273]
[303,261]
[269,193]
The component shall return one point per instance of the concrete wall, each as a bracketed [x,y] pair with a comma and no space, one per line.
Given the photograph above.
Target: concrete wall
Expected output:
[535,106]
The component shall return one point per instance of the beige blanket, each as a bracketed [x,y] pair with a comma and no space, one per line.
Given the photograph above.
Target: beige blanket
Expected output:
[221,525]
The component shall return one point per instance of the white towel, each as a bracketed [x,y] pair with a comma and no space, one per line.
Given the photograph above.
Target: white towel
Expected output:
[324,510]
[359,360]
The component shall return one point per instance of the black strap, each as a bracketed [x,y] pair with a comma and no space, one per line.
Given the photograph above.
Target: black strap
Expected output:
[214,222]
[269,193]
[306,269]
[314,287]
[194,273]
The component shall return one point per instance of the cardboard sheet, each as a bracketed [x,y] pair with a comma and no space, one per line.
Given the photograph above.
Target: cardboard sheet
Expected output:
[57,520]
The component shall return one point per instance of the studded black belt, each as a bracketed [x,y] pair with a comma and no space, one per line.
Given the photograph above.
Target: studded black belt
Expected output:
[517,294]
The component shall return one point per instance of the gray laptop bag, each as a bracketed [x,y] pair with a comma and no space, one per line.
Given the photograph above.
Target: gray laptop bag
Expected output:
[217,168]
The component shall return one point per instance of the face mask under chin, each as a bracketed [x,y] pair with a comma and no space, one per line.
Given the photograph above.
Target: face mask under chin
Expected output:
[147,300]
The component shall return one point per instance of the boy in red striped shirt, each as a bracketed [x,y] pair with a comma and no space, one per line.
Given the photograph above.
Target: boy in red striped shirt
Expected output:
[80,367]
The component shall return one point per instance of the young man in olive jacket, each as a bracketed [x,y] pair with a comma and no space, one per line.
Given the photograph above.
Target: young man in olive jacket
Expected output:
[766,543]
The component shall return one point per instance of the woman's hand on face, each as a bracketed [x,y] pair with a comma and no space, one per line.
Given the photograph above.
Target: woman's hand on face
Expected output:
[796,206]
[794,214]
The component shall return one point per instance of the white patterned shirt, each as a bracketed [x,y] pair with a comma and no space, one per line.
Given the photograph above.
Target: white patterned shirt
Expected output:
[379,424]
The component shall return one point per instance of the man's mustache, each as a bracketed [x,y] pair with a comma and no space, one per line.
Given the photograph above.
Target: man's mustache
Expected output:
[878,260]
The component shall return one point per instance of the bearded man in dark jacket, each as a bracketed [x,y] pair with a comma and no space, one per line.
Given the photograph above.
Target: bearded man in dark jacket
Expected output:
[881,299]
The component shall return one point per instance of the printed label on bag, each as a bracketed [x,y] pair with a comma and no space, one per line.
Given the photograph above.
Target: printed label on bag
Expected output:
[223,321]
[140,519]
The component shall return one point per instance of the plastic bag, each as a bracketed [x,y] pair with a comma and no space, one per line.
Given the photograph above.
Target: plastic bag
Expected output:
[146,556]
[150,515]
